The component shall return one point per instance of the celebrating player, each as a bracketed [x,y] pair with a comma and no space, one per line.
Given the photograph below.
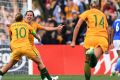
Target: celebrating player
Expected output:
[20,44]
[96,39]
[29,19]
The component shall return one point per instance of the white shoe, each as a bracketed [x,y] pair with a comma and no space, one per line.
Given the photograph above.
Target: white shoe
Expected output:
[55,77]
[45,79]
[0,77]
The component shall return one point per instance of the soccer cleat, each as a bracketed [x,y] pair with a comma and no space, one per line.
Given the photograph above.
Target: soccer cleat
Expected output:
[0,77]
[55,78]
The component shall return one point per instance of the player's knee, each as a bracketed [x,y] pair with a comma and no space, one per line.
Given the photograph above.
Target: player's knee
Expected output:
[92,65]
[37,61]
[93,61]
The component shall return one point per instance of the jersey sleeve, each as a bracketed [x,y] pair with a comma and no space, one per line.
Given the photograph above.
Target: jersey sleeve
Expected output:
[30,28]
[84,15]
[106,22]
[32,31]
[39,27]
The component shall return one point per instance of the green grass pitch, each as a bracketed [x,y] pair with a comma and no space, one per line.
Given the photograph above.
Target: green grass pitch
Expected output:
[61,77]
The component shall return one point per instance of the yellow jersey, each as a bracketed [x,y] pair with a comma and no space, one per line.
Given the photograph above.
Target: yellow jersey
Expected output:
[36,27]
[19,32]
[96,22]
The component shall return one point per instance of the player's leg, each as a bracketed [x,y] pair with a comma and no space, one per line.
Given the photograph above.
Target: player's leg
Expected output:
[7,67]
[44,72]
[87,70]
[34,55]
[98,51]
[42,69]
[92,55]
[100,45]
[14,58]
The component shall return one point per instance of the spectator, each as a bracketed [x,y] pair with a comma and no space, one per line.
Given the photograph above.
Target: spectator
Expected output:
[117,5]
[110,11]
[50,37]
[48,12]
[57,13]
[69,8]
[81,4]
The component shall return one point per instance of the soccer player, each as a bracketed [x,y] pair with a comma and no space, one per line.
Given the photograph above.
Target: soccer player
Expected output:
[29,19]
[115,39]
[19,44]
[96,39]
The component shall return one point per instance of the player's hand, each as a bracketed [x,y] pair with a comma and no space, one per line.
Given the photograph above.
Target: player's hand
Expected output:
[59,28]
[72,44]
[39,38]
[111,46]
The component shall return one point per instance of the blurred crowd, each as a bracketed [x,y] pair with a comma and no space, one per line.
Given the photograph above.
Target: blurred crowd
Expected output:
[51,13]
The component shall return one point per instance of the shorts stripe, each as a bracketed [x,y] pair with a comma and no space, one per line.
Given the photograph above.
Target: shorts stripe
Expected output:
[35,52]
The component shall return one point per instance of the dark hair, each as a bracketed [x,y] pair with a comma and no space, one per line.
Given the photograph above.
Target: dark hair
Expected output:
[18,17]
[29,11]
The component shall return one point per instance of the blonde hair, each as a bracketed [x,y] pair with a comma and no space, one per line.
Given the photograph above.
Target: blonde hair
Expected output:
[18,17]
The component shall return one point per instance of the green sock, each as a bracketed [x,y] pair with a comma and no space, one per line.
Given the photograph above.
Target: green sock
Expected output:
[42,76]
[87,71]
[44,73]
[1,73]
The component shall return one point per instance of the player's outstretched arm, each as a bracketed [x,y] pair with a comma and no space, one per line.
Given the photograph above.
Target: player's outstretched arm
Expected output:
[75,33]
[59,28]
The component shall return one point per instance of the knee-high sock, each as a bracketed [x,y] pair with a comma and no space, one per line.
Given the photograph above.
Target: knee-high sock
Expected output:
[44,73]
[42,76]
[87,71]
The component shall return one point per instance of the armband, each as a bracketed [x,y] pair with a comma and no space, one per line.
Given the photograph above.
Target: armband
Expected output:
[33,32]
